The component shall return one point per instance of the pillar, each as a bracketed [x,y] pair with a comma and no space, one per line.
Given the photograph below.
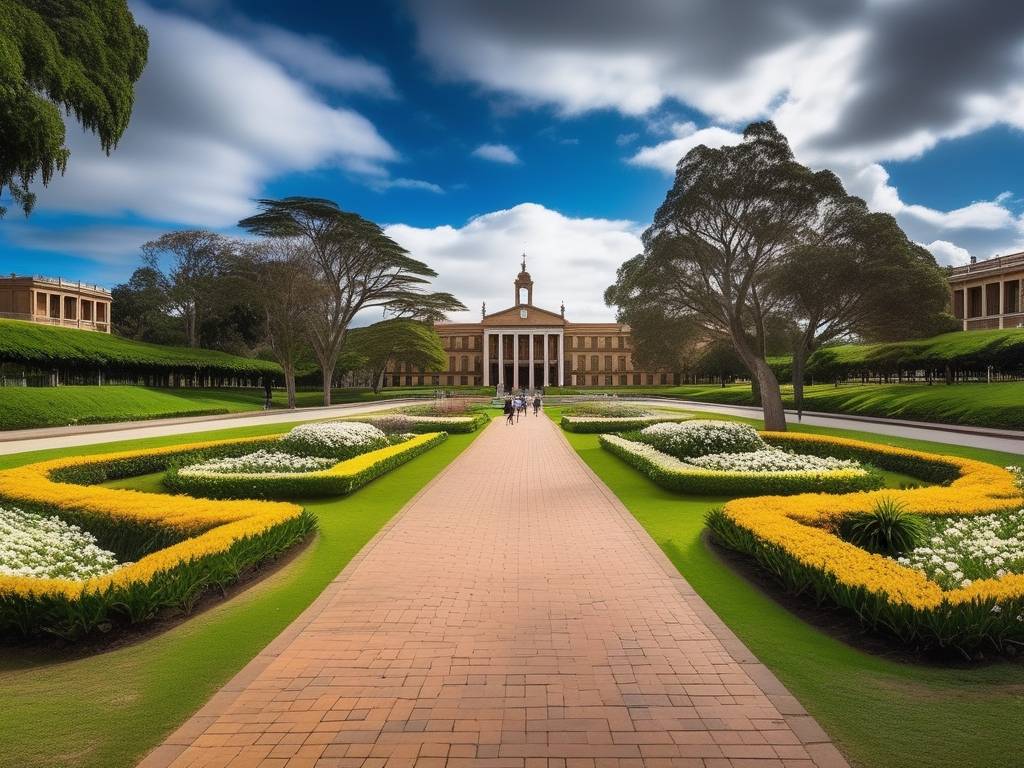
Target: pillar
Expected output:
[530,356]
[1002,301]
[501,360]
[561,359]
[544,380]
[515,361]
[487,361]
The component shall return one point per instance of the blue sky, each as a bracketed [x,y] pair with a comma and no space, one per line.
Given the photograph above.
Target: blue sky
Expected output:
[479,130]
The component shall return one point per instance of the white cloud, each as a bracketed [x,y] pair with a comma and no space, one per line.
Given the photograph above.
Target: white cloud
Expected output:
[498,153]
[316,61]
[573,259]
[403,183]
[947,253]
[666,155]
[109,245]
[214,120]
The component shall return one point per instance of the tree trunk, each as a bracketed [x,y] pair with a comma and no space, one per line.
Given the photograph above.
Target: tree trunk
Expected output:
[378,383]
[767,384]
[328,376]
[289,386]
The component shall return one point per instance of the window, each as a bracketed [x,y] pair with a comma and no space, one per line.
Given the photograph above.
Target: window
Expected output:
[595,363]
[958,304]
[992,299]
[622,362]
[607,362]
[451,364]
[465,363]
[974,301]
[1011,301]
[593,342]
[623,379]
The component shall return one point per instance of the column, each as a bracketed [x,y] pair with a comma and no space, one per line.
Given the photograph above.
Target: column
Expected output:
[515,361]
[544,381]
[561,358]
[487,362]
[501,360]
[530,377]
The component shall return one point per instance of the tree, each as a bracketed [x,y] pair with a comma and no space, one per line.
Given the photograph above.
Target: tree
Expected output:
[78,56]
[393,342]
[730,216]
[360,267]
[139,310]
[861,277]
[197,260]
[282,283]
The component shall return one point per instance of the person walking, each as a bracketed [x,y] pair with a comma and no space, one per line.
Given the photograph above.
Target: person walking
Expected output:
[509,410]
[536,404]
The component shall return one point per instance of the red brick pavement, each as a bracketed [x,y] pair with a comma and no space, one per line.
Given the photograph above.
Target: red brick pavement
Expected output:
[514,614]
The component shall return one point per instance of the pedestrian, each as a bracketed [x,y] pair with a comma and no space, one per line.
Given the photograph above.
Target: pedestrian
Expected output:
[509,410]
[536,404]
[268,395]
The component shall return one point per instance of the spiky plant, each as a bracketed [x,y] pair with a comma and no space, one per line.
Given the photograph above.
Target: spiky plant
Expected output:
[887,529]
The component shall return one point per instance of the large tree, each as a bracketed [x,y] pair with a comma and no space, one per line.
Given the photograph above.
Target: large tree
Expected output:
[394,342]
[281,282]
[76,56]
[191,266]
[860,277]
[140,311]
[360,267]
[730,217]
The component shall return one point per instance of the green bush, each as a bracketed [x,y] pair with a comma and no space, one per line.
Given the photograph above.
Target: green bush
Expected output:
[610,409]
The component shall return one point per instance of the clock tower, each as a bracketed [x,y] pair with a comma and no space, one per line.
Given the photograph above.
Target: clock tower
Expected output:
[524,283]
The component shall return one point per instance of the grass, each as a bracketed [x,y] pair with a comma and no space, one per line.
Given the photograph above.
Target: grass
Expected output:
[999,405]
[881,711]
[30,407]
[107,711]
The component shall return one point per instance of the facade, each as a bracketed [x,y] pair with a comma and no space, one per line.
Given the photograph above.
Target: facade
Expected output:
[526,347]
[55,301]
[990,293]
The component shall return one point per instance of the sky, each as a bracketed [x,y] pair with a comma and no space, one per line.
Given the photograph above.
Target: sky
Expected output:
[475,132]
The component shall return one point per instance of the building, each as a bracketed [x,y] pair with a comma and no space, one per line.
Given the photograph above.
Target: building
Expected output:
[987,294]
[55,301]
[527,347]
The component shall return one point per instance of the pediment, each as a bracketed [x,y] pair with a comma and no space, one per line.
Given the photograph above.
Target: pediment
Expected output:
[534,316]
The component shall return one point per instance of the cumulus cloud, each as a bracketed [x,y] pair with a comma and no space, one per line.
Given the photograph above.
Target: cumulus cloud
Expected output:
[498,153]
[569,258]
[209,129]
[666,155]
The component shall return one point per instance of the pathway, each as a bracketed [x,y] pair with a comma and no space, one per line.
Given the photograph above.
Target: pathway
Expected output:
[514,614]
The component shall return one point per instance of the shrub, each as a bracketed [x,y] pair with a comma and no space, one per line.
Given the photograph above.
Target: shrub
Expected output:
[603,424]
[397,423]
[698,438]
[333,439]
[613,410]
[887,529]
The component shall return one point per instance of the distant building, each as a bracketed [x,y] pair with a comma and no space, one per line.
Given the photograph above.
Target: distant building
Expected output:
[55,301]
[526,347]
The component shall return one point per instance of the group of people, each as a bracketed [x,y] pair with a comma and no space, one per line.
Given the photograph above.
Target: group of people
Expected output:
[515,405]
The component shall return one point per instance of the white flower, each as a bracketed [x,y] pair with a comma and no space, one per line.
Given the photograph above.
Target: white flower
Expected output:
[333,438]
[259,462]
[47,547]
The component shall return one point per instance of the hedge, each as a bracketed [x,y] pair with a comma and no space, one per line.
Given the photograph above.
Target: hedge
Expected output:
[675,475]
[603,424]
[45,347]
[341,479]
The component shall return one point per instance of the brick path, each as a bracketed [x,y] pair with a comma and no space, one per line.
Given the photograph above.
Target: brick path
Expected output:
[514,614]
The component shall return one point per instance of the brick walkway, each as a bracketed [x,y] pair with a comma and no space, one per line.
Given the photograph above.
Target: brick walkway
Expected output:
[514,614]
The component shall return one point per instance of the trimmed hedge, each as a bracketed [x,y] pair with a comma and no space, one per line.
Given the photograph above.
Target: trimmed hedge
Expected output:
[591,425]
[47,347]
[677,476]
[339,480]
[392,423]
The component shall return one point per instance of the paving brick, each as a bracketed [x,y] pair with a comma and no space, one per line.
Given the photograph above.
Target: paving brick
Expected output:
[513,615]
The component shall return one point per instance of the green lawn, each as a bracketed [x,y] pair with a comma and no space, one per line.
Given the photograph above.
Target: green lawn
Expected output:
[106,711]
[28,407]
[999,405]
[881,712]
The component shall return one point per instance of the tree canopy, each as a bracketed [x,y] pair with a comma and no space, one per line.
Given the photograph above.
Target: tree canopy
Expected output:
[396,341]
[82,56]
[359,266]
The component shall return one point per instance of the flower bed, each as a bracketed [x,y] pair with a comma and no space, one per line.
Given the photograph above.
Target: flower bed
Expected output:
[392,423]
[172,548]
[333,439]
[603,424]
[337,479]
[805,473]
[794,539]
